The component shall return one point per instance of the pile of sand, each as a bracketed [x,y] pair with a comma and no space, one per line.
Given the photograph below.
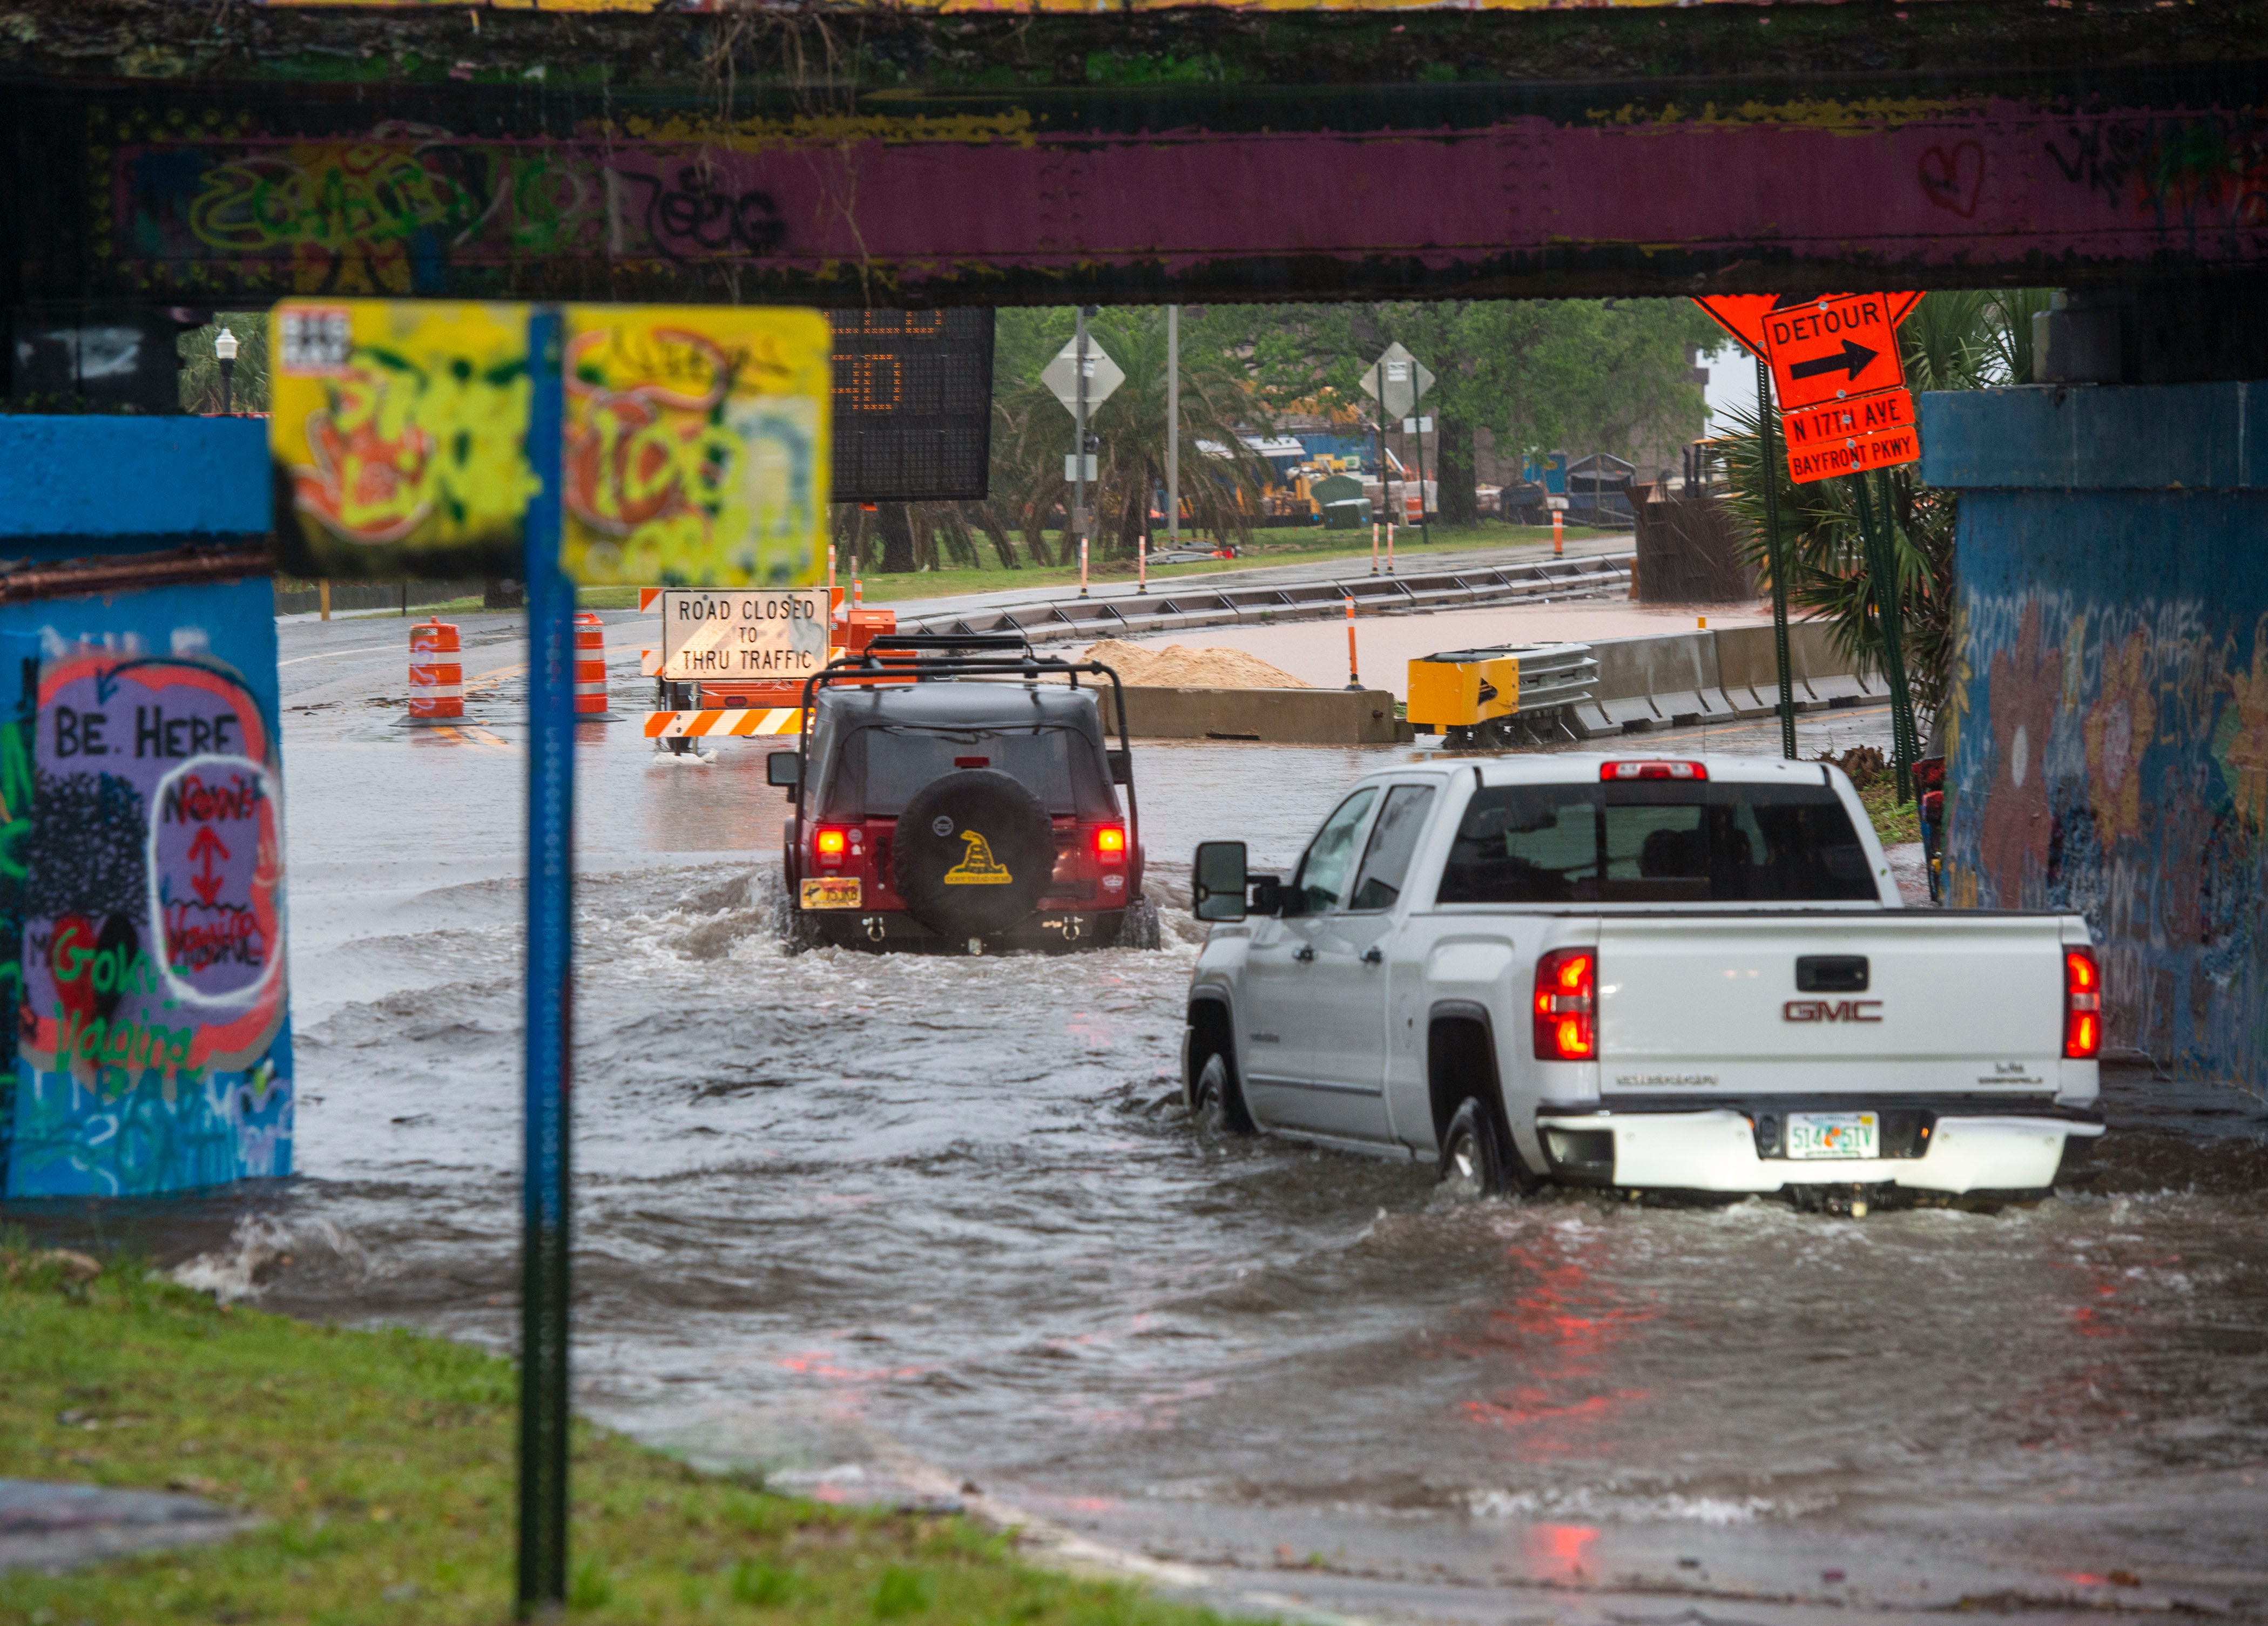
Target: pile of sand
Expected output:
[1178,666]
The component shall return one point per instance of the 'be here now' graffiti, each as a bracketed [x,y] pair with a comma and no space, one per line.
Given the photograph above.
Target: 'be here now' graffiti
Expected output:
[160,946]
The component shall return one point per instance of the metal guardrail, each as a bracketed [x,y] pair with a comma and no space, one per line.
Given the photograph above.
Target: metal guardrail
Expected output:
[1181,610]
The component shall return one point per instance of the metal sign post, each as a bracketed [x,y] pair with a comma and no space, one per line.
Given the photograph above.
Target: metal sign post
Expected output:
[1764,413]
[546,1179]
[1082,376]
[1078,452]
[1398,381]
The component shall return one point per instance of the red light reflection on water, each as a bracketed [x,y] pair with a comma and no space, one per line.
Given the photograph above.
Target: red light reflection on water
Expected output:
[1558,1553]
[1561,1328]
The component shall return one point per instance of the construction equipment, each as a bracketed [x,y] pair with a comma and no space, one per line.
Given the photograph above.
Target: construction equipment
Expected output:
[1491,698]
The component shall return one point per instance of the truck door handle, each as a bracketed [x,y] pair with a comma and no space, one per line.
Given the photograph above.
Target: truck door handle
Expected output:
[1305,954]
[1374,957]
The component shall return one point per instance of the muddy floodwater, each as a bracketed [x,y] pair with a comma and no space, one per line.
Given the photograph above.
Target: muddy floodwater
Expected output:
[834,1210]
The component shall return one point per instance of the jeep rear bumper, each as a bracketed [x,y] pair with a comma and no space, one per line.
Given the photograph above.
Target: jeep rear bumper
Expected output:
[895,929]
[1733,1149]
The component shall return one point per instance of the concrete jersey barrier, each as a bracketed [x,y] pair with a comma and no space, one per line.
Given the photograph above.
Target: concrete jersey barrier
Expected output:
[1727,674]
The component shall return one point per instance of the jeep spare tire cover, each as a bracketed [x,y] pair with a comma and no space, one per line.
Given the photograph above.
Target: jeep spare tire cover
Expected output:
[973,853]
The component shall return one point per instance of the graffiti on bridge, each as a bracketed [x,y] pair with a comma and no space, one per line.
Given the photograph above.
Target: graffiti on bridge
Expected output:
[648,204]
[397,210]
[2198,172]
[151,1050]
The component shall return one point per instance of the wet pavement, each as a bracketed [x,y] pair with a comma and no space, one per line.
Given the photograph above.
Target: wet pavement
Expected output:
[839,1214]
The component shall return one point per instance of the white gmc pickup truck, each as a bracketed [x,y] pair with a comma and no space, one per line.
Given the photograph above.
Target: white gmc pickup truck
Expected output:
[1688,976]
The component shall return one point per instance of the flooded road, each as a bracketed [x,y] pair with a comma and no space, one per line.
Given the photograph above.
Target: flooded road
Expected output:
[833,1205]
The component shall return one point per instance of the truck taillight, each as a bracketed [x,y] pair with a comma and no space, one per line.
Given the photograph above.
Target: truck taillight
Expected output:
[829,842]
[2082,1005]
[1610,772]
[1110,843]
[1566,1014]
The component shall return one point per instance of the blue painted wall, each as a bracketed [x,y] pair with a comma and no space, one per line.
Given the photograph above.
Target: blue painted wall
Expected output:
[2108,747]
[142,885]
[97,484]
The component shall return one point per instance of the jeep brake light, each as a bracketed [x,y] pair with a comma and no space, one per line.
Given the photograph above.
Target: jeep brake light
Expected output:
[2082,1005]
[1610,772]
[1110,843]
[830,842]
[1566,1016]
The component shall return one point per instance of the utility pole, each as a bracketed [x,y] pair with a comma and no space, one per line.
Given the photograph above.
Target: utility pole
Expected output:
[1378,394]
[1173,425]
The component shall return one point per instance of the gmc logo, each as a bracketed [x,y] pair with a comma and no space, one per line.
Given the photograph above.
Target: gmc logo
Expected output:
[1831,1011]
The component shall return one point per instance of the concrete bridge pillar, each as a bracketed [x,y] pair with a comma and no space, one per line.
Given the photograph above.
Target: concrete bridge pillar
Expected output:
[2109,744]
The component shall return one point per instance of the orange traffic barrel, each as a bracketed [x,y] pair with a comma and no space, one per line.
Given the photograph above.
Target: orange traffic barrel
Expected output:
[437,680]
[590,665]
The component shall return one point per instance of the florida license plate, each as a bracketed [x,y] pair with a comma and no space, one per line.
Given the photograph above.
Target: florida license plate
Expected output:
[831,892]
[1833,1135]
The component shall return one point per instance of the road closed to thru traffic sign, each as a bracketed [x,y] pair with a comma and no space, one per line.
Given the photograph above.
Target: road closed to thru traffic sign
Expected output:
[708,636]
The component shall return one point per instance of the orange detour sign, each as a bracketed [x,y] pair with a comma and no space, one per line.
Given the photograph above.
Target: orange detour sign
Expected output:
[1831,347]
[1844,405]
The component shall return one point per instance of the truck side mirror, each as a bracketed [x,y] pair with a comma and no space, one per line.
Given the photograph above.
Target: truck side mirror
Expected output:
[1121,766]
[1219,881]
[784,769]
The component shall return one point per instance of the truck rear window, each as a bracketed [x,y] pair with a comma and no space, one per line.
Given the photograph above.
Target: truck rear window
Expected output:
[1656,843]
[883,767]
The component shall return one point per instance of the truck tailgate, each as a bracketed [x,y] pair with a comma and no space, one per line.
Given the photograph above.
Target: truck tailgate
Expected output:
[1951,1004]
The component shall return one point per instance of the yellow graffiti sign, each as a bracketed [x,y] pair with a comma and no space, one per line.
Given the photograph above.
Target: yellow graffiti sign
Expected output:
[696,445]
[399,429]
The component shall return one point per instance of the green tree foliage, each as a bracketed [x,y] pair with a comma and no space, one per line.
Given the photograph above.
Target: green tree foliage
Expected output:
[200,371]
[1541,375]
[1580,375]
[1966,340]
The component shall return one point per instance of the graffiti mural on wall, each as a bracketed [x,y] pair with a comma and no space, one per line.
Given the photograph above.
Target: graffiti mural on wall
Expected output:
[639,207]
[697,449]
[19,670]
[2118,750]
[153,1052]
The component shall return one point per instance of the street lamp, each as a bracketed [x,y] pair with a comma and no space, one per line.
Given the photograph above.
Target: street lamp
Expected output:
[224,348]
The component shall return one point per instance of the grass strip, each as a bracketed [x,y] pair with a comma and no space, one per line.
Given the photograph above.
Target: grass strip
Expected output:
[383,1464]
[1895,820]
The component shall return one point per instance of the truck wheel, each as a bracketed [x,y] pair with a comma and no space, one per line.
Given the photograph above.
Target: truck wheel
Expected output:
[1219,1100]
[1137,927]
[802,932]
[1475,1161]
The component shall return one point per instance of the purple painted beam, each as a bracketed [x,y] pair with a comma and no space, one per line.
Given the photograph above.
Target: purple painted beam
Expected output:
[987,209]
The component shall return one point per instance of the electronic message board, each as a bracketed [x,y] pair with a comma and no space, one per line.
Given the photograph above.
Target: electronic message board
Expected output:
[913,404]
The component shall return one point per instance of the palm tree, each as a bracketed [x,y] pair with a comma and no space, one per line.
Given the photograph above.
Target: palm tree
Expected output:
[1031,433]
[1967,340]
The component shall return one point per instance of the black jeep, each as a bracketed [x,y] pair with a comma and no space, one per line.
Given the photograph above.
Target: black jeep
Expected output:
[947,799]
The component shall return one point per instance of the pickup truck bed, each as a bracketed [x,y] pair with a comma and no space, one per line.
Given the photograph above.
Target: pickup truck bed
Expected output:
[1687,974]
